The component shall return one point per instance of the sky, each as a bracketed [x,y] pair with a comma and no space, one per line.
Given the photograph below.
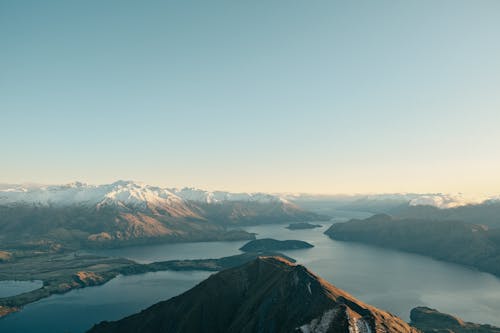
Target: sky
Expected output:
[277,96]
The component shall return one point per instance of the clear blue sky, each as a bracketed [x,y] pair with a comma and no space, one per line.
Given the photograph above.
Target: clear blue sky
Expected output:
[303,96]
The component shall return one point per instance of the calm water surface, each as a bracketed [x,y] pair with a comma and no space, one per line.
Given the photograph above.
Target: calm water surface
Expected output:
[394,281]
[12,287]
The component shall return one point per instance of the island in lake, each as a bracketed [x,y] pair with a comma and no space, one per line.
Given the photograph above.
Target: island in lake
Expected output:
[269,244]
[303,225]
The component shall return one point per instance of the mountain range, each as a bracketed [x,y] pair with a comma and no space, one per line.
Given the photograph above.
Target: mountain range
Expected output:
[434,206]
[127,212]
[119,192]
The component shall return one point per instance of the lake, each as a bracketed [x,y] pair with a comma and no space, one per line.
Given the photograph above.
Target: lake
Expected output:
[13,287]
[392,280]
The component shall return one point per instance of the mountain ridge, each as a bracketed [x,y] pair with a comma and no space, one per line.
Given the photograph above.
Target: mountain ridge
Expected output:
[447,240]
[268,294]
[125,191]
[128,213]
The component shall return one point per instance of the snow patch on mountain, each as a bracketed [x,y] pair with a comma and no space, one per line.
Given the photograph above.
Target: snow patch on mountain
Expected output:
[447,200]
[120,193]
[321,324]
[194,194]
[440,200]
[135,193]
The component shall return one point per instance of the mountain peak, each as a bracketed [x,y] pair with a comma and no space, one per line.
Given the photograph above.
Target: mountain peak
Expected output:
[122,182]
[266,294]
[275,260]
[121,192]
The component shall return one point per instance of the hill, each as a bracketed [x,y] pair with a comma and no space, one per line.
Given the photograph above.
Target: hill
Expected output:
[453,241]
[432,321]
[268,294]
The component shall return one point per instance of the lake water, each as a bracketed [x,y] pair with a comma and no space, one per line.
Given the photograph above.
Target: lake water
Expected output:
[394,281]
[12,288]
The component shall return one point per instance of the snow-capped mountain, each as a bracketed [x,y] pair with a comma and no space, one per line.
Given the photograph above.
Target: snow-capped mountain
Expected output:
[131,193]
[127,212]
[439,200]
[120,193]
[199,195]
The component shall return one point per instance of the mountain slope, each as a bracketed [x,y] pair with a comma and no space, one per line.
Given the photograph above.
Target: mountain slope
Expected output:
[268,294]
[432,321]
[452,241]
[110,226]
[255,212]
[487,213]
[122,213]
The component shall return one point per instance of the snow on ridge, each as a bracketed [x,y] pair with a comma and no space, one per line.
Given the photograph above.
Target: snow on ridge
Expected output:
[51,194]
[136,193]
[194,194]
[440,200]
[321,324]
[123,192]
[130,193]
[120,192]
[445,201]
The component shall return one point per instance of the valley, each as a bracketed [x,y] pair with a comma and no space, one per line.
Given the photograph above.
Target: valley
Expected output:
[133,232]
[399,283]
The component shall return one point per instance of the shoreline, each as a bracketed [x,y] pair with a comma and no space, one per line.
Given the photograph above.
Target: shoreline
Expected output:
[95,271]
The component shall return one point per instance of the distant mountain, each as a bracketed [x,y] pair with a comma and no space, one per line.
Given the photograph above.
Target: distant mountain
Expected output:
[234,213]
[126,212]
[363,205]
[120,193]
[384,203]
[268,294]
[454,241]
[436,206]
[487,213]
[432,321]
[194,194]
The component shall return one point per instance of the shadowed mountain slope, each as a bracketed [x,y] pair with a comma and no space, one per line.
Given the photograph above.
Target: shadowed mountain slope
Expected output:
[268,294]
[452,241]
[432,321]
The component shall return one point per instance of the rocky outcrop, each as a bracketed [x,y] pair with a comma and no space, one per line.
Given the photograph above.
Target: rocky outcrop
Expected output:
[86,278]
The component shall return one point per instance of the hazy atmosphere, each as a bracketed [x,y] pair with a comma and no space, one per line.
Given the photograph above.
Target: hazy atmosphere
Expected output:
[249,166]
[276,96]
